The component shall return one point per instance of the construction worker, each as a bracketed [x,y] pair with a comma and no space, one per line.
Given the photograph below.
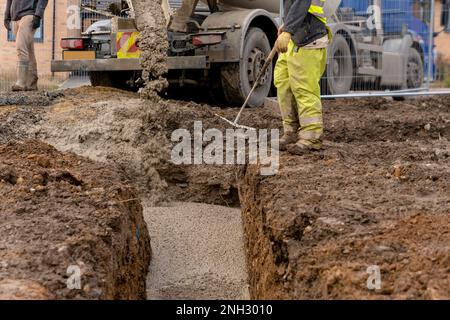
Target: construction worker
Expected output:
[23,17]
[302,42]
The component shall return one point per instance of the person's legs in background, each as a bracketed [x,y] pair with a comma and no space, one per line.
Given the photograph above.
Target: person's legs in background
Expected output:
[32,68]
[26,60]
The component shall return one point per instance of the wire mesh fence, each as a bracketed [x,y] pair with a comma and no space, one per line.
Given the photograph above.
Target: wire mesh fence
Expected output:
[46,81]
[94,15]
[386,45]
[62,19]
[378,45]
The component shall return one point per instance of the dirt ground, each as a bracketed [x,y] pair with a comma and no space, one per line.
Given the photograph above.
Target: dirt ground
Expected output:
[60,210]
[377,195]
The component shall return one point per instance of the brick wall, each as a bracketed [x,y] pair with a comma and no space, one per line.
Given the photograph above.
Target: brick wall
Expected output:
[44,49]
[443,40]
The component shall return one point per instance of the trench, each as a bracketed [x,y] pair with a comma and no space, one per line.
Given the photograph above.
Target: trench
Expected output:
[198,252]
[196,235]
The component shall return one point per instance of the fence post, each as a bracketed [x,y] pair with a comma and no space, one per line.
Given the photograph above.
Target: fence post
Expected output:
[430,45]
[281,12]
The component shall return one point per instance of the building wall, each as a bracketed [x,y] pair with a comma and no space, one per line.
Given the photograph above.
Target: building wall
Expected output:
[44,49]
[443,40]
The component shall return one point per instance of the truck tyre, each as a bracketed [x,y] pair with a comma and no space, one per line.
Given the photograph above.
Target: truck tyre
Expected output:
[100,79]
[414,72]
[238,78]
[339,73]
[113,79]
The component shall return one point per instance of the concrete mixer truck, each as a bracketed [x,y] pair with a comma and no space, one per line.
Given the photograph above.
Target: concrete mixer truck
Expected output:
[222,44]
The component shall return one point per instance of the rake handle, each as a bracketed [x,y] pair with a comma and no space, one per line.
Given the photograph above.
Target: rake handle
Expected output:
[258,78]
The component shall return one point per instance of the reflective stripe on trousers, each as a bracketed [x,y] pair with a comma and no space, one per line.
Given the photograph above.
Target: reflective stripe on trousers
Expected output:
[297,76]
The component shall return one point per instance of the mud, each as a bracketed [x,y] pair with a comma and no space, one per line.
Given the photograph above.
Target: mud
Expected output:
[60,210]
[378,195]
[151,24]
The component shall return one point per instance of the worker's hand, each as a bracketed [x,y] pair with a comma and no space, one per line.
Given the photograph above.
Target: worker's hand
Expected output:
[283,42]
[280,30]
[36,22]
[7,24]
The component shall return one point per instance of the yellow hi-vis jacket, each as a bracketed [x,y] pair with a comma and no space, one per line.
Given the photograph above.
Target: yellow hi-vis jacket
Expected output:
[316,9]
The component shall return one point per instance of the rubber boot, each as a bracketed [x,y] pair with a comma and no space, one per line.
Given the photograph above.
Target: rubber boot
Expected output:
[289,137]
[302,147]
[22,76]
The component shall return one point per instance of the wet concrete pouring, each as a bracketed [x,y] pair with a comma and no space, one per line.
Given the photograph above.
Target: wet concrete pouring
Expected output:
[378,195]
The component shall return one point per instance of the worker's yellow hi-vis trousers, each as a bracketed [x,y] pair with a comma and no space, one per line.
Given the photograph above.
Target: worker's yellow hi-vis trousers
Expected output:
[297,76]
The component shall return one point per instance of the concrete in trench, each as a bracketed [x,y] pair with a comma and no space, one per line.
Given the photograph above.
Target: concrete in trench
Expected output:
[198,252]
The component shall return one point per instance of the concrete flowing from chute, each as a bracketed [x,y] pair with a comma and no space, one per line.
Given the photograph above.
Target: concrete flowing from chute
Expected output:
[151,23]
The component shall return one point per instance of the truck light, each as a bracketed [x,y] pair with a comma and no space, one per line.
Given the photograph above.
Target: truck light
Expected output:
[72,44]
[208,39]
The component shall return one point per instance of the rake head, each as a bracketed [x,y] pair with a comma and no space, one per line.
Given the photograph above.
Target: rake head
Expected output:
[239,126]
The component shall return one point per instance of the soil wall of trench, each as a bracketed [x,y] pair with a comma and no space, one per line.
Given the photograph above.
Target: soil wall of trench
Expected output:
[64,216]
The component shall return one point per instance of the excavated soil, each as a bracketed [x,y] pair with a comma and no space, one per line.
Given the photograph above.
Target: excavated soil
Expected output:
[378,195]
[60,210]
[114,126]
[38,98]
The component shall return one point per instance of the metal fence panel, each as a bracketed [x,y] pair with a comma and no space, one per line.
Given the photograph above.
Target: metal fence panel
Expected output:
[381,45]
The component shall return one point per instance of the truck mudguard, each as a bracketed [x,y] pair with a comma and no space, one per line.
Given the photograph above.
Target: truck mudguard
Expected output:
[236,24]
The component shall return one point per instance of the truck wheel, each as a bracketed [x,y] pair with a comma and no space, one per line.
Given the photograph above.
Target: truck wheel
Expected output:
[339,71]
[414,76]
[100,79]
[115,79]
[414,72]
[238,78]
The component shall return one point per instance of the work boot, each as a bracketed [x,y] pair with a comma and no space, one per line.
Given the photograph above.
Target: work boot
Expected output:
[16,87]
[32,83]
[289,137]
[22,75]
[302,147]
